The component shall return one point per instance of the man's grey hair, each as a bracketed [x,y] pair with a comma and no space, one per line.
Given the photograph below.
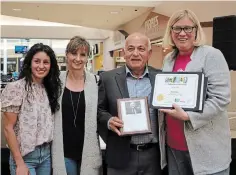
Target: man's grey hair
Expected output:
[149,42]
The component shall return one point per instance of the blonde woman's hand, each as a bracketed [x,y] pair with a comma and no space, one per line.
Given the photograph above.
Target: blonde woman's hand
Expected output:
[177,113]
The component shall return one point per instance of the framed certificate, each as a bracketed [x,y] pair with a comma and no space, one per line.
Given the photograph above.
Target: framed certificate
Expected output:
[186,89]
[134,113]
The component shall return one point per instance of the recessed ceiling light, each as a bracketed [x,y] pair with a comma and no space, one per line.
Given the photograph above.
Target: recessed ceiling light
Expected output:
[16,10]
[114,12]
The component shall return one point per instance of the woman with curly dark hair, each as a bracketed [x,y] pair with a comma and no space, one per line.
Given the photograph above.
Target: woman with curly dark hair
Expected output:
[29,105]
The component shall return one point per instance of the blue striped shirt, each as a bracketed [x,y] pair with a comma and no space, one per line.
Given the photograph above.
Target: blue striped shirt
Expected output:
[141,87]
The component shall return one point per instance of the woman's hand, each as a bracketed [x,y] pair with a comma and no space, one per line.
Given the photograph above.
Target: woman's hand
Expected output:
[22,169]
[177,112]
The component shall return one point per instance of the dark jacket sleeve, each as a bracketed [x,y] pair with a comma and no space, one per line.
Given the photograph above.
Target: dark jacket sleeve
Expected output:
[103,114]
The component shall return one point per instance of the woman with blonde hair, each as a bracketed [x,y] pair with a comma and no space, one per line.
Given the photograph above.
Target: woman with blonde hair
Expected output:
[75,148]
[197,143]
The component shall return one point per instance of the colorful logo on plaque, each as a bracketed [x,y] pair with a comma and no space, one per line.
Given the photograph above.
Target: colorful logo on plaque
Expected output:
[177,100]
[160,97]
[176,80]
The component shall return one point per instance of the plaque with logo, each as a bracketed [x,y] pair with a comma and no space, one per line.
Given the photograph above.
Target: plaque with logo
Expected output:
[186,89]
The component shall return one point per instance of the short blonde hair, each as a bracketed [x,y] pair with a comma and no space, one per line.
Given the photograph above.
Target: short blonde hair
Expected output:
[200,36]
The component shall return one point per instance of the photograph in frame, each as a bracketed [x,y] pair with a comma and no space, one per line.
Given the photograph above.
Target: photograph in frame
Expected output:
[134,113]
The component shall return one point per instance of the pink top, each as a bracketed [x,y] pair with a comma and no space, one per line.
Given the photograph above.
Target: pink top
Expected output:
[35,122]
[175,128]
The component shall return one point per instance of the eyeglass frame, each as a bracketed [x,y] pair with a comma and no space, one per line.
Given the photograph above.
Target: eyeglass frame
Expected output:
[183,29]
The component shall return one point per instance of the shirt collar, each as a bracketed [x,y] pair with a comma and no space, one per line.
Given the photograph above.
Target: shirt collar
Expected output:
[129,73]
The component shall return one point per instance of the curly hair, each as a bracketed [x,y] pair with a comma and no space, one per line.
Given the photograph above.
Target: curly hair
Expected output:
[51,82]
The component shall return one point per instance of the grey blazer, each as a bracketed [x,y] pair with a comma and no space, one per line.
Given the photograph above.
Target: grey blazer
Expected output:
[91,156]
[208,133]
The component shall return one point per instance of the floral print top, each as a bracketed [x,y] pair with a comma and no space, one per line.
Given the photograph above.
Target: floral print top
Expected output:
[35,122]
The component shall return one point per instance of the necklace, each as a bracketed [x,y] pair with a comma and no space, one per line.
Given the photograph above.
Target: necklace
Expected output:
[77,106]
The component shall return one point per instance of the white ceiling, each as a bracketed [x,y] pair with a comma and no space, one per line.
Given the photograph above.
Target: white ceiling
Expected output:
[205,10]
[15,27]
[97,14]
[16,21]
[142,3]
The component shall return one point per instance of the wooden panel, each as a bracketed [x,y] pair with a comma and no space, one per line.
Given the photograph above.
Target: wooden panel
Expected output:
[156,58]
[207,24]
[232,105]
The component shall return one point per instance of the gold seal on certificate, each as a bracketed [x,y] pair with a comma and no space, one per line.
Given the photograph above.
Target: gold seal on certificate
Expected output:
[135,115]
[186,89]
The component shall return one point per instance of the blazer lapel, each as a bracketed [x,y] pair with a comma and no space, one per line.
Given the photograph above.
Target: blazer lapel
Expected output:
[63,77]
[168,65]
[121,83]
[169,62]
[152,75]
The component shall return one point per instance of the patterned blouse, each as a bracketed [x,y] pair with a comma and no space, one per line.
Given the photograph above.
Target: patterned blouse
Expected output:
[35,121]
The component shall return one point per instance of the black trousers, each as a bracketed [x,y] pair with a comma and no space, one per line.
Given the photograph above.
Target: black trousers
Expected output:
[146,162]
[179,162]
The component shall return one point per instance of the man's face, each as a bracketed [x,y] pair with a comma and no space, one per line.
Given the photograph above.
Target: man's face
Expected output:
[136,52]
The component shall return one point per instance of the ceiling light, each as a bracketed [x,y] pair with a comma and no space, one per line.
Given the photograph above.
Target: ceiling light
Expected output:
[114,12]
[16,10]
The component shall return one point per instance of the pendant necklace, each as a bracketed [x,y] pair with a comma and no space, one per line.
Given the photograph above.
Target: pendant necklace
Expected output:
[77,107]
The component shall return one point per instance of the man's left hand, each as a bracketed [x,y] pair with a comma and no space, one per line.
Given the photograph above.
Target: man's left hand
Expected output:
[177,112]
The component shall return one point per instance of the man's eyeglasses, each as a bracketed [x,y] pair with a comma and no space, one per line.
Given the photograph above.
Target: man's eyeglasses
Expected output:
[187,29]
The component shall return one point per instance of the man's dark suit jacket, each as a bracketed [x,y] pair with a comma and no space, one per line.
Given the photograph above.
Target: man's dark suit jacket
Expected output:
[113,86]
